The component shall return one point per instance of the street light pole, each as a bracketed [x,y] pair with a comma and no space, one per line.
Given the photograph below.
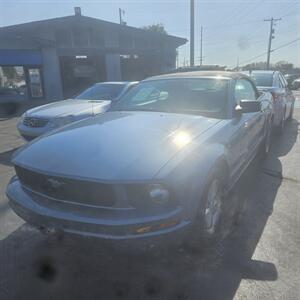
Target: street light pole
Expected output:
[120,16]
[201,57]
[192,35]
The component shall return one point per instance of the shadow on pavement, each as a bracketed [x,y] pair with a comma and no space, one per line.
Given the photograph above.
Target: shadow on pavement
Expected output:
[39,267]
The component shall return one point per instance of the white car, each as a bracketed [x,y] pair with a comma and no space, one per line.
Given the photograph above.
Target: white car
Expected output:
[93,101]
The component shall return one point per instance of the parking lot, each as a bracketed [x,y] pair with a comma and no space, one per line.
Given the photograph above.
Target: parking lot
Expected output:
[258,260]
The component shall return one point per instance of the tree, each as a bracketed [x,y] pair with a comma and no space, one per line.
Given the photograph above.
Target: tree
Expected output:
[9,72]
[156,28]
[255,66]
[284,66]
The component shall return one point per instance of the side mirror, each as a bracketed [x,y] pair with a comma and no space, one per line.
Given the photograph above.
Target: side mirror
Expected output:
[249,106]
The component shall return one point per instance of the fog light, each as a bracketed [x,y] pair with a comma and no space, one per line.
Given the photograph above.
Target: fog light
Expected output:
[159,194]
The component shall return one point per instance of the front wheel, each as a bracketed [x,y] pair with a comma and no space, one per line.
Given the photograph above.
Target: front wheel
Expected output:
[280,128]
[291,113]
[266,145]
[207,227]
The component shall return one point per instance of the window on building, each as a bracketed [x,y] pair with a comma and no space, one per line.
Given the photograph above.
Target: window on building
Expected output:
[12,82]
[35,82]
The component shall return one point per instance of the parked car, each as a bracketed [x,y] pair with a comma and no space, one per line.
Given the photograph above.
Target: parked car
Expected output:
[290,78]
[92,101]
[296,84]
[10,100]
[283,98]
[161,160]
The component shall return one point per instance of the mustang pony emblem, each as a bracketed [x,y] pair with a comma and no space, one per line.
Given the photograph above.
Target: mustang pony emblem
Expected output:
[55,183]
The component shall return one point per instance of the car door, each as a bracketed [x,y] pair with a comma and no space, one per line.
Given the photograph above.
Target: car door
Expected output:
[254,121]
[236,135]
[288,96]
[279,99]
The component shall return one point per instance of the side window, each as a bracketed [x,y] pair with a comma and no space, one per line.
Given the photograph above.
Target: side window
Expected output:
[244,90]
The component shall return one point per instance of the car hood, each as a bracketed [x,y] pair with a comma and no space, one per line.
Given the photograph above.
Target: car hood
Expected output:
[113,146]
[69,107]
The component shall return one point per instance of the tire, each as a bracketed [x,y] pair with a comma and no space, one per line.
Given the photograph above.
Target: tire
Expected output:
[266,145]
[207,228]
[291,113]
[280,127]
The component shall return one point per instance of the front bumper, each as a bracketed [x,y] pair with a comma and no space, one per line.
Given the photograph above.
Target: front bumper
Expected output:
[89,225]
[30,133]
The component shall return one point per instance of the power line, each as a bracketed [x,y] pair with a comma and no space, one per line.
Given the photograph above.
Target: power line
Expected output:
[287,44]
[275,49]
[251,10]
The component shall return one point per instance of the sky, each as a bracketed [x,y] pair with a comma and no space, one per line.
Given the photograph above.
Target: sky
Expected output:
[233,31]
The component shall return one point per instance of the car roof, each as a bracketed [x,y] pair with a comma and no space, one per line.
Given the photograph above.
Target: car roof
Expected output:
[198,74]
[264,71]
[116,82]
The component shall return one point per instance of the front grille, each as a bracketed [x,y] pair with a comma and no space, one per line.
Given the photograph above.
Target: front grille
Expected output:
[70,190]
[34,122]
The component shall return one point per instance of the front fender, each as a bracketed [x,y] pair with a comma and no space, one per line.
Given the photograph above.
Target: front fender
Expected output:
[188,171]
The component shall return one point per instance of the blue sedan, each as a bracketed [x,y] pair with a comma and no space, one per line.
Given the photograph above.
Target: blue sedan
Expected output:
[161,160]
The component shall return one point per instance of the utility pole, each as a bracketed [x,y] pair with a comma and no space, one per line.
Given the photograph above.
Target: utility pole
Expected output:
[201,57]
[271,36]
[238,64]
[192,35]
[121,13]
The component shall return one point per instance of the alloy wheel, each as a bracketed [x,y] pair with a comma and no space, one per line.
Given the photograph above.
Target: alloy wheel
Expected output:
[212,211]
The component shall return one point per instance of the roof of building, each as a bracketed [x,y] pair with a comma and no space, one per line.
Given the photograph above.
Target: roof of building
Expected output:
[224,74]
[79,19]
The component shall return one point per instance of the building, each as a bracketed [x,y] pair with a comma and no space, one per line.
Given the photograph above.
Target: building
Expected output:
[56,58]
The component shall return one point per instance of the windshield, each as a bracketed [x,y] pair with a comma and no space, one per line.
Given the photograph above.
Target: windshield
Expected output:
[194,96]
[262,79]
[101,92]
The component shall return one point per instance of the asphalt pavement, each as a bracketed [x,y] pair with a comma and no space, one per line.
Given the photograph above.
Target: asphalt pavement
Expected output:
[259,259]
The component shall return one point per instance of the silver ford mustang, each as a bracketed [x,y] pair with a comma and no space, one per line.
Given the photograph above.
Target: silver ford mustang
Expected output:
[92,101]
[161,160]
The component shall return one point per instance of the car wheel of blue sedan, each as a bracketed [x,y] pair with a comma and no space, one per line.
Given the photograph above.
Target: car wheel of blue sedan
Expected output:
[281,126]
[207,228]
[266,144]
[212,212]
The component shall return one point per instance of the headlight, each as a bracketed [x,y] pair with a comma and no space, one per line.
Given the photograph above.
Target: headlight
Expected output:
[146,197]
[58,122]
[23,116]
[159,194]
